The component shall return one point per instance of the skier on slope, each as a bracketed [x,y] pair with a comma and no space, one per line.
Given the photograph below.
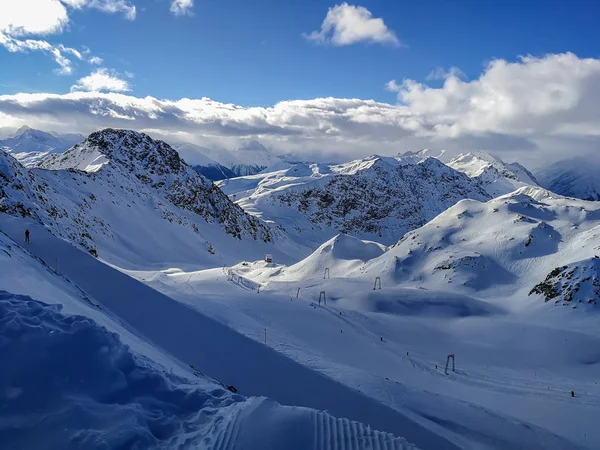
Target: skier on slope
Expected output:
[27,240]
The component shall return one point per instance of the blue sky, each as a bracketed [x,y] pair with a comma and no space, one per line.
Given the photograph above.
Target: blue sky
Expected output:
[253,52]
[519,78]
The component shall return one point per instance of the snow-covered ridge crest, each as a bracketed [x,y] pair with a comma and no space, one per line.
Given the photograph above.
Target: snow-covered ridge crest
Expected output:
[157,165]
[496,176]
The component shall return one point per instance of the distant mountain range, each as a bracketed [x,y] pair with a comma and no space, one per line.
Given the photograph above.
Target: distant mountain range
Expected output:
[30,146]
[377,198]
[248,158]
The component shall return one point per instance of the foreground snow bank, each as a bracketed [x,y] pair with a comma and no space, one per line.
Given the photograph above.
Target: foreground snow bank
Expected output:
[69,383]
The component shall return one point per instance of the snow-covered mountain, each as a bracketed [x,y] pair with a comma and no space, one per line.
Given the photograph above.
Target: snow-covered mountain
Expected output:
[576,177]
[30,146]
[130,197]
[496,176]
[248,158]
[498,249]
[376,198]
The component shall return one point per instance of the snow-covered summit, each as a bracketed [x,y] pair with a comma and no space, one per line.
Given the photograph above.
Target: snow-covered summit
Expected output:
[135,151]
[249,157]
[496,176]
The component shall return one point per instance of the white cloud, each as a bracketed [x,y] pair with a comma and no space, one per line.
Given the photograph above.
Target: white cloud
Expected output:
[32,17]
[182,7]
[527,97]
[96,60]
[107,6]
[439,73]
[102,80]
[57,53]
[535,107]
[347,24]
[22,18]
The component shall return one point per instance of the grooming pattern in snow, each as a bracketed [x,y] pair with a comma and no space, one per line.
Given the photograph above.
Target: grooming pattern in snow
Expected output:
[67,383]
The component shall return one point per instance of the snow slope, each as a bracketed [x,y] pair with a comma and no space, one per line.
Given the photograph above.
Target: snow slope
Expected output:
[576,177]
[216,352]
[77,376]
[136,202]
[496,176]
[30,146]
[376,198]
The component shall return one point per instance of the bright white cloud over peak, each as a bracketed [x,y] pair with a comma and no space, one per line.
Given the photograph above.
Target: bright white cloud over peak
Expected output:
[348,24]
[101,80]
[182,7]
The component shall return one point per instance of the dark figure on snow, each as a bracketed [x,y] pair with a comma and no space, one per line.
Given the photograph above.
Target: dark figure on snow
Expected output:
[27,240]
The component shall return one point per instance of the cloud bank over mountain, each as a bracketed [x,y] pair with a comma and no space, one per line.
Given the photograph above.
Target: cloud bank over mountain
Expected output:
[532,107]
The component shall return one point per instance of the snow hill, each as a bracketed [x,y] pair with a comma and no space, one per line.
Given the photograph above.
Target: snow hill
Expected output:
[248,158]
[29,146]
[496,176]
[376,198]
[499,249]
[131,198]
[576,177]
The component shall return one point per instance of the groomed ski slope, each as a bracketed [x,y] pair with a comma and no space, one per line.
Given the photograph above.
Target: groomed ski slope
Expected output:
[515,368]
[222,353]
